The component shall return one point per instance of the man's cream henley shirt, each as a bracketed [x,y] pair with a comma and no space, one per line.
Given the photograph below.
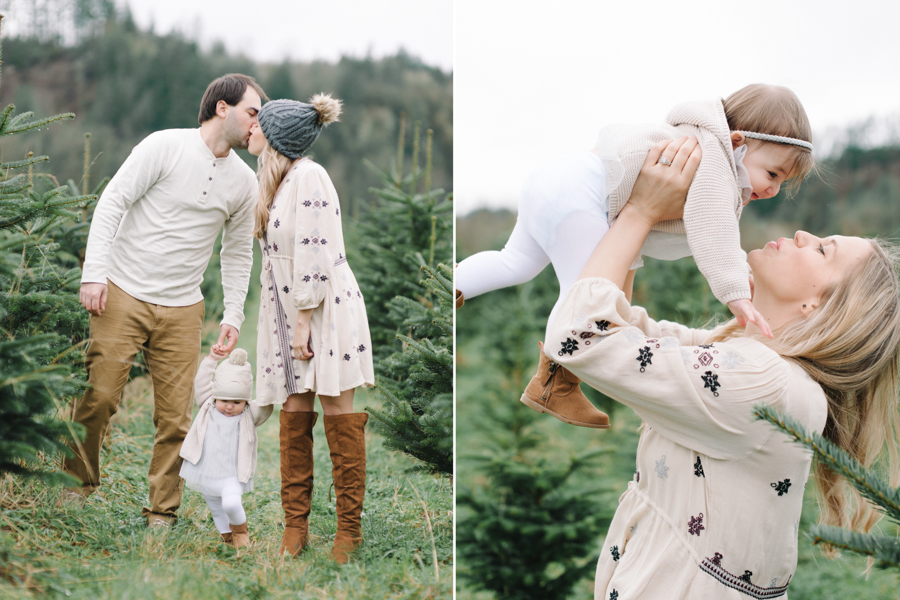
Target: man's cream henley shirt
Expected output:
[155,225]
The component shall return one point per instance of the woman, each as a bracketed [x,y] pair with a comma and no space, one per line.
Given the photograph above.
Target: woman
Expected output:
[714,507]
[313,332]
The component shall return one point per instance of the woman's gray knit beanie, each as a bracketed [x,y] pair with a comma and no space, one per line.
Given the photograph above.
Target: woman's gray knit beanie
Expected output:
[291,127]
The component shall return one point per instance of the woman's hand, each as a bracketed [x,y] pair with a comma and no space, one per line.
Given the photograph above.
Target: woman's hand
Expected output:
[660,190]
[302,346]
[659,194]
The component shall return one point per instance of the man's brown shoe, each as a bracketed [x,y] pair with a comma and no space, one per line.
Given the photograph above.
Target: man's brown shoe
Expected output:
[554,390]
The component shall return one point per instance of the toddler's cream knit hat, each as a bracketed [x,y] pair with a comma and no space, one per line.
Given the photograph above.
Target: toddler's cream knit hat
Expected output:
[234,378]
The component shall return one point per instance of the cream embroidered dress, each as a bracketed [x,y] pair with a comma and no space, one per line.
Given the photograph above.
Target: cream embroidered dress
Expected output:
[714,507]
[305,266]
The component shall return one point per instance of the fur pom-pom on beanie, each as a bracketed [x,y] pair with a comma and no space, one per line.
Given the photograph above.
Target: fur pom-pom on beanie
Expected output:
[291,127]
[234,378]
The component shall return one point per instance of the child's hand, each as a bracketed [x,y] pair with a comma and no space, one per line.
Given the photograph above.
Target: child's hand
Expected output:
[745,312]
[217,352]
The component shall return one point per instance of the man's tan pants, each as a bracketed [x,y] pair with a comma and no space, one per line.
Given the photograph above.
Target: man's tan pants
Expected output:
[170,340]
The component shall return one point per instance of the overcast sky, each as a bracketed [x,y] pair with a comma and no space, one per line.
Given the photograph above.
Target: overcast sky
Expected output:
[544,78]
[271,30]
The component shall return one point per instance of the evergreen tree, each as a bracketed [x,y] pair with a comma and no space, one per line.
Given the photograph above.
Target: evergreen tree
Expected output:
[418,382]
[411,321]
[403,231]
[885,550]
[40,315]
[529,514]
[528,528]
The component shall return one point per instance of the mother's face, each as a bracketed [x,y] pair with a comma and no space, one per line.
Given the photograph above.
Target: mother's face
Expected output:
[793,272]
[257,140]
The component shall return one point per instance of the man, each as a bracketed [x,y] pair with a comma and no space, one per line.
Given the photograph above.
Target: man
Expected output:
[150,241]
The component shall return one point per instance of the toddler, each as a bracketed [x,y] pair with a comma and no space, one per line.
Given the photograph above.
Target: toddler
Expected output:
[219,451]
[752,142]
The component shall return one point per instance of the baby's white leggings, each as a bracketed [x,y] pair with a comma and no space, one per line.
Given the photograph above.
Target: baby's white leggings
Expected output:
[523,258]
[562,218]
[227,508]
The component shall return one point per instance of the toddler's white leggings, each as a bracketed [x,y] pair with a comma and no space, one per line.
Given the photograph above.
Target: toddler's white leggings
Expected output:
[227,508]
[562,218]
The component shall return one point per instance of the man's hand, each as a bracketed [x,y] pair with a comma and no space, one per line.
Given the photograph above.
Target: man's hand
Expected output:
[229,334]
[93,297]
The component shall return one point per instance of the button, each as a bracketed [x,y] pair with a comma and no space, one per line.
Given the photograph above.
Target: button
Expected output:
[204,193]
[210,178]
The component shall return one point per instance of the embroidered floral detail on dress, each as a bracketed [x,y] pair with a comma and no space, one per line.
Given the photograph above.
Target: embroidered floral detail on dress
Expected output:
[634,336]
[731,360]
[615,553]
[711,381]
[782,486]
[713,567]
[323,241]
[275,246]
[614,595]
[637,476]
[698,469]
[323,278]
[307,203]
[324,203]
[695,525]
[337,300]
[268,370]
[331,353]
[586,334]
[668,342]
[569,346]
[705,346]
[705,359]
[602,325]
[305,241]
[362,348]
[662,471]
[306,278]
[346,357]
[277,223]
[286,289]
[644,356]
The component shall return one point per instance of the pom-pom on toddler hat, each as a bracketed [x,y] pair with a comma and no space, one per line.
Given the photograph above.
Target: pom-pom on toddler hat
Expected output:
[291,127]
[234,378]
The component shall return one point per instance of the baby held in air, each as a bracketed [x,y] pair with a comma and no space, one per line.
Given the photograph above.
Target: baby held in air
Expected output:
[752,142]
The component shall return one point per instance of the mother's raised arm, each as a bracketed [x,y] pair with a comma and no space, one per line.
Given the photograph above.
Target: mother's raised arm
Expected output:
[659,194]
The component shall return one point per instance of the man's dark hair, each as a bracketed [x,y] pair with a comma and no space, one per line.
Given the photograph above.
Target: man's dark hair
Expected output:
[231,89]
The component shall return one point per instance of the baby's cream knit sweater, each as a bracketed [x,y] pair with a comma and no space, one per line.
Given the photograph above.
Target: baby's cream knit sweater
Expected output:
[714,202]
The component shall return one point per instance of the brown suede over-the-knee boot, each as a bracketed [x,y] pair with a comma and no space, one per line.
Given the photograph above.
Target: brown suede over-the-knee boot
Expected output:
[296,442]
[347,442]
[554,390]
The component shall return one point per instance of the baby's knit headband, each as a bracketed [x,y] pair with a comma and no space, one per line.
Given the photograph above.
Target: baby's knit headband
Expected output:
[778,139]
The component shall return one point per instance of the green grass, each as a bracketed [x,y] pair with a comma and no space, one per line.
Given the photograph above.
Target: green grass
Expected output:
[104,550]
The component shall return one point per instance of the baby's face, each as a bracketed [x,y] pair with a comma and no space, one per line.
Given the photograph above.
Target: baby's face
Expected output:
[230,408]
[769,165]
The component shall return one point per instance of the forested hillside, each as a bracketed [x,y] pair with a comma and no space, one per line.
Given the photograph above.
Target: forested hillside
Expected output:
[123,83]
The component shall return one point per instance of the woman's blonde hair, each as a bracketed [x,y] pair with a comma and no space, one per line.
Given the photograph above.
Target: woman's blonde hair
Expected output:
[774,110]
[272,167]
[850,345]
